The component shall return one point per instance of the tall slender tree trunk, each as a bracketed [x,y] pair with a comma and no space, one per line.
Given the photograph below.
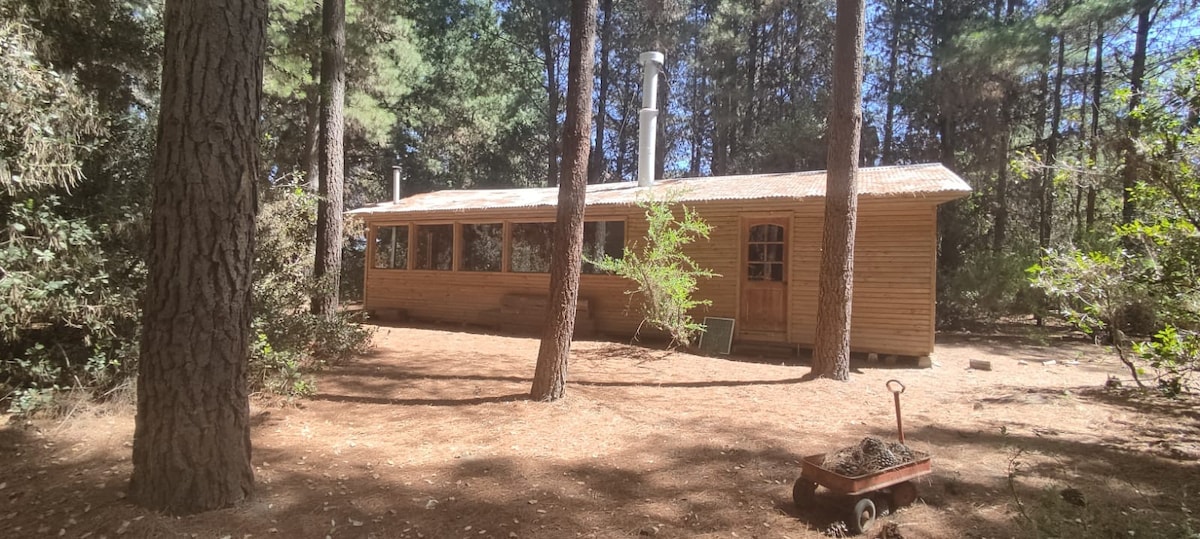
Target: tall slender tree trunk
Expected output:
[550,63]
[697,124]
[312,129]
[749,118]
[627,113]
[550,375]
[191,443]
[596,164]
[1129,175]
[889,156]
[831,352]
[1094,143]
[332,169]
[1047,201]
[1000,221]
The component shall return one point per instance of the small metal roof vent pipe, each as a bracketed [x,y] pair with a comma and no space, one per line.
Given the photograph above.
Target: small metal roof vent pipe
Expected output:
[396,193]
[648,117]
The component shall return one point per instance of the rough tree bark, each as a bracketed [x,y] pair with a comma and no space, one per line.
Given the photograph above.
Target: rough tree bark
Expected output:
[597,164]
[331,170]
[1129,175]
[889,154]
[1045,222]
[312,131]
[191,445]
[550,63]
[1094,142]
[831,351]
[550,376]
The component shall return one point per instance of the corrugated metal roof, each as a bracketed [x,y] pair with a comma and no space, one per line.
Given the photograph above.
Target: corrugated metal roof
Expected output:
[922,181]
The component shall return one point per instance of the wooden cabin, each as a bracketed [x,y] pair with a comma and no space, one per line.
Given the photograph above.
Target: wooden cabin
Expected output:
[482,256]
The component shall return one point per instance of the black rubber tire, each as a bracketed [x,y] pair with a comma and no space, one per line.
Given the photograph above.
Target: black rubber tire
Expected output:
[863,517]
[803,493]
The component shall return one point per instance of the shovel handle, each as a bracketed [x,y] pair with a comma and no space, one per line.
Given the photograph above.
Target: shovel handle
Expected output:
[896,396]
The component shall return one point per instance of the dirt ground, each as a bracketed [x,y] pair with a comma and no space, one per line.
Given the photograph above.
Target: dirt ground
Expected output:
[431,436]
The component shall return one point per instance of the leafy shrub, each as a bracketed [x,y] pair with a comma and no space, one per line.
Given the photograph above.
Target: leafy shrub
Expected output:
[665,276]
[987,286]
[1175,355]
[1149,283]
[290,342]
[64,322]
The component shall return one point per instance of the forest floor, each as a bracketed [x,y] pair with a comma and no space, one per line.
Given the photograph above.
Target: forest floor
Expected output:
[432,436]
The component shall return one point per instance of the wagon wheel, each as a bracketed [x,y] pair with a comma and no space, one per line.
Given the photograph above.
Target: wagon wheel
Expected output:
[803,493]
[863,517]
[904,494]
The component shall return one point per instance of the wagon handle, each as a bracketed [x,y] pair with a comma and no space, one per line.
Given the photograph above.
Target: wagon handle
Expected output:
[896,396]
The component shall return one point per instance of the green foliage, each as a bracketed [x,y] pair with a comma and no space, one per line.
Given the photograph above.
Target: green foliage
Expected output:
[1092,290]
[1175,355]
[988,286]
[45,119]
[1152,284]
[64,322]
[290,342]
[665,276]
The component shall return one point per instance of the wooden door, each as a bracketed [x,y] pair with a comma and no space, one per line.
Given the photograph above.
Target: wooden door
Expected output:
[764,279]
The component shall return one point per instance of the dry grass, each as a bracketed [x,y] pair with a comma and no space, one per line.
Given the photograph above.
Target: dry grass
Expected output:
[431,436]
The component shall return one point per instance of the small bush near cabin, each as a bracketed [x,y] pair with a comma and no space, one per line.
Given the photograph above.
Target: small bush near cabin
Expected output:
[665,276]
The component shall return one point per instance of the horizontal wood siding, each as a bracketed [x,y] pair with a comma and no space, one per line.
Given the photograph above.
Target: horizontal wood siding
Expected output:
[893,284]
[894,255]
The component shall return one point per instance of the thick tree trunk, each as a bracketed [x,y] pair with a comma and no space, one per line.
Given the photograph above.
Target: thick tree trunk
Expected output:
[596,164]
[1129,175]
[191,445]
[550,376]
[550,63]
[327,270]
[831,352]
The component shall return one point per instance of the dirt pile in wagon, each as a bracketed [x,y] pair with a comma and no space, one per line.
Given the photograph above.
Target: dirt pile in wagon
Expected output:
[867,456]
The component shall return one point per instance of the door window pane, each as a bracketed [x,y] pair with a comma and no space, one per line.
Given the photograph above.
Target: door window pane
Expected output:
[765,253]
[435,247]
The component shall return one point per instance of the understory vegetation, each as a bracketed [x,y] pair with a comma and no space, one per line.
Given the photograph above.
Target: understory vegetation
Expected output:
[665,276]
[1079,118]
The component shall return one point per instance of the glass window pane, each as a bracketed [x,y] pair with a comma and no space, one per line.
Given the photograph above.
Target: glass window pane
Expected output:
[755,272]
[776,272]
[435,247]
[482,247]
[531,243]
[391,247]
[602,238]
[773,253]
[766,233]
[384,247]
[755,253]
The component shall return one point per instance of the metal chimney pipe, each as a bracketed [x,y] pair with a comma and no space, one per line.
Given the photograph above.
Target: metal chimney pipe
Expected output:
[648,116]
[396,184]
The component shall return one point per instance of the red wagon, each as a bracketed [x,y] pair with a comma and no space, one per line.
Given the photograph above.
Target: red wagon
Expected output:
[870,493]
